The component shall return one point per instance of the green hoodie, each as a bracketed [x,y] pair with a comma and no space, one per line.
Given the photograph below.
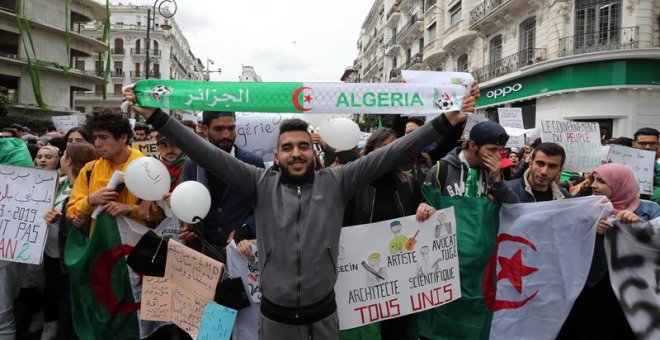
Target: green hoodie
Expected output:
[13,151]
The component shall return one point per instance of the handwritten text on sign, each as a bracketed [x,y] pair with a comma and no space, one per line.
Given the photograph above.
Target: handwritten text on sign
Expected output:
[512,117]
[147,147]
[217,322]
[65,123]
[181,295]
[408,267]
[26,195]
[641,162]
[580,140]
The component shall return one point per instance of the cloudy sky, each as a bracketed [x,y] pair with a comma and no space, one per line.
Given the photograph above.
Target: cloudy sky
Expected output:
[285,40]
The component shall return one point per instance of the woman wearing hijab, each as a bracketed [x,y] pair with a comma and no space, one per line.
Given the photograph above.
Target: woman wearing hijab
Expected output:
[596,313]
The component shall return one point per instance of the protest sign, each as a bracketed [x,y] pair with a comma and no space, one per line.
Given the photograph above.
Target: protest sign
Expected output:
[258,133]
[640,161]
[511,117]
[189,117]
[65,123]
[217,322]
[407,267]
[472,120]
[182,294]
[580,140]
[26,195]
[245,268]
[147,147]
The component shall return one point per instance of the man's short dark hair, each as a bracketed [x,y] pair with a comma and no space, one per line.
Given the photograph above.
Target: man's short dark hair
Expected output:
[110,120]
[647,131]
[625,141]
[142,127]
[550,149]
[13,131]
[17,127]
[293,124]
[209,116]
[419,121]
[189,124]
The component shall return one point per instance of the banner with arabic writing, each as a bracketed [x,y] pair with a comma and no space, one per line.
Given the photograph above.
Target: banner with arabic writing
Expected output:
[382,98]
[408,267]
[26,195]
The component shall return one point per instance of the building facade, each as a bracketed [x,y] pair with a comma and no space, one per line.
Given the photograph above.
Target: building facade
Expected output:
[249,75]
[583,60]
[169,54]
[38,54]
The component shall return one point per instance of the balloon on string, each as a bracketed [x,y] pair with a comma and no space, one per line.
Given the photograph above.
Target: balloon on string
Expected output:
[147,178]
[315,120]
[340,133]
[190,201]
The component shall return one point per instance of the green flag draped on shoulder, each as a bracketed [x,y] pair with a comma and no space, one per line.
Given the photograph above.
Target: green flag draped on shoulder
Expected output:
[105,292]
[477,223]
[386,98]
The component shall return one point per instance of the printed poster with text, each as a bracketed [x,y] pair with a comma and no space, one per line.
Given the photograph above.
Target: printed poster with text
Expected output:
[26,195]
[398,267]
[580,140]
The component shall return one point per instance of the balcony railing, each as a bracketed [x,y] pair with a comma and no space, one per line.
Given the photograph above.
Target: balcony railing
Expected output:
[510,64]
[416,59]
[97,73]
[8,55]
[393,9]
[391,43]
[428,4]
[141,51]
[118,51]
[616,39]
[117,73]
[370,65]
[483,9]
[408,26]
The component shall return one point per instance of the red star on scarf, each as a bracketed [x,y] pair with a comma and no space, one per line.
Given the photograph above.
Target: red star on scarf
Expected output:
[514,270]
[308,98]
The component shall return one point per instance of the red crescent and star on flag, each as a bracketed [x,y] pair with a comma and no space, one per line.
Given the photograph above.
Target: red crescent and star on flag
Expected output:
[512,269]
[307,98]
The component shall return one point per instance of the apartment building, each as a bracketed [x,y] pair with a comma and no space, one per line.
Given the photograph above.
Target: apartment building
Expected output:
[38,45]
[583,60]
[168,57]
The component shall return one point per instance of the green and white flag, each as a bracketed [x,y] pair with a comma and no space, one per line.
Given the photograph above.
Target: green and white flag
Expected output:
[371,98]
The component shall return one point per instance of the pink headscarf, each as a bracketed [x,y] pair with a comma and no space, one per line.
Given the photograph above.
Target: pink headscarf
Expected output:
[625,189]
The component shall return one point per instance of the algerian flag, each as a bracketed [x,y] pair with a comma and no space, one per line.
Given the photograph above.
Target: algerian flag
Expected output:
[544,252]
[538,262]
[105,292]
[633,252]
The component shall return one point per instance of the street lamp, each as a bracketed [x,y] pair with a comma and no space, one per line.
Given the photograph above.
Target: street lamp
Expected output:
[151,24]
[208,70]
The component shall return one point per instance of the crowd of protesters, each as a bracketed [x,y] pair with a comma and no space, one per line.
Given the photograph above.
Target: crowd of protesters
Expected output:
[378,182]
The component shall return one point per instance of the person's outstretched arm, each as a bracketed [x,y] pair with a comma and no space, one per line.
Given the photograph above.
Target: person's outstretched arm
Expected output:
[241,176]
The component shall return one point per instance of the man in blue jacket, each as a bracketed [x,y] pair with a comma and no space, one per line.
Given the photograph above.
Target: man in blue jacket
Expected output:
[231,213]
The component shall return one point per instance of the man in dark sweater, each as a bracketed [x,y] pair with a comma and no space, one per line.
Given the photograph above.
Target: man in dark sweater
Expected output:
[538,183]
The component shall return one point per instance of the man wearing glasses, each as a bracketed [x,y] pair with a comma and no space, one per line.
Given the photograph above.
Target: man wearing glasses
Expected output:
[647,139]
[231,215]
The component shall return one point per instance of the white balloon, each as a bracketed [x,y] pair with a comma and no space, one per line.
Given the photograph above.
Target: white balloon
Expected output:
[147,178]
[190,200]
[340,133]
[315,120]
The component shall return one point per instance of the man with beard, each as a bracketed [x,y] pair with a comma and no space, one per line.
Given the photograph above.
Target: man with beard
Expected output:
[538,183]
[300,212]
[231,214]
